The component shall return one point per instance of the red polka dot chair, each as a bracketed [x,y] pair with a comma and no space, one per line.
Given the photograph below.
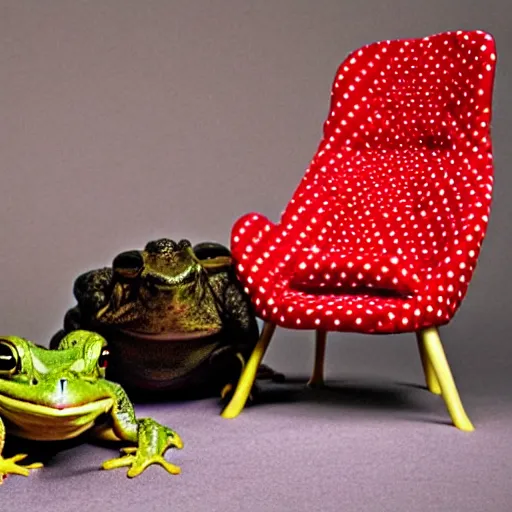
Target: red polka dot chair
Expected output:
[383,232]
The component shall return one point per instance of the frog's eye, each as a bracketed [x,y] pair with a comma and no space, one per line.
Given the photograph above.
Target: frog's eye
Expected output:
[103,359]
[128,263]
[8,358]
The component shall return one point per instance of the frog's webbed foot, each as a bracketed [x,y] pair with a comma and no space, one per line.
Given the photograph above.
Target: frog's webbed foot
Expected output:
[10,466]
[154,440]
[138,463]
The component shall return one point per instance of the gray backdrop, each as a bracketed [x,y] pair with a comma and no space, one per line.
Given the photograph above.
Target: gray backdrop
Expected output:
[122,121]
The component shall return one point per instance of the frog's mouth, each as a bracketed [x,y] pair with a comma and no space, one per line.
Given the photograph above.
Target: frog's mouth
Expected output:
[41,422]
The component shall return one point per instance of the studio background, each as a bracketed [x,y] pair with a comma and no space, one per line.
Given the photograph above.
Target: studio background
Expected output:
[124,121]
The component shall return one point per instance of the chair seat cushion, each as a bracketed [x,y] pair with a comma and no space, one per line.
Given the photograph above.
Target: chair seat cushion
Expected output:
[386,274]
[350,312]
[383,225]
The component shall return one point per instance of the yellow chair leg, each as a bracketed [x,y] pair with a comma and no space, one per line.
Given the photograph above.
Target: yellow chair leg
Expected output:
[244,386]
[436,356]
[317,377]
[428,369]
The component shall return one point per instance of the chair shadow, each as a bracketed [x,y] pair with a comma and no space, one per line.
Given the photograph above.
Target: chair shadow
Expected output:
[353,394]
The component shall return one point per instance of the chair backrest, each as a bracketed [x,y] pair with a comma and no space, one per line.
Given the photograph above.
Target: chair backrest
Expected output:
[431,96]
[411,117]
[433,92]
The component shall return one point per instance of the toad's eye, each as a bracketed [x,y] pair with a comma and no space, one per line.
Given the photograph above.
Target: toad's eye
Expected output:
[128,263]
[103,359]
[184,244]
[8,358]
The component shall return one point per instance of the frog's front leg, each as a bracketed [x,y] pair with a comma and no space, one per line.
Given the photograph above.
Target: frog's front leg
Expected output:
[10,466]
[152,439]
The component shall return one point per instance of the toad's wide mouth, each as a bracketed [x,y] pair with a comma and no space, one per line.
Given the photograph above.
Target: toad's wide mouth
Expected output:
[164,281]
[170,336]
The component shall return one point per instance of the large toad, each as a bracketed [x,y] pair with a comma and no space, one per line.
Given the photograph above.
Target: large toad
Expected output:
[176,317]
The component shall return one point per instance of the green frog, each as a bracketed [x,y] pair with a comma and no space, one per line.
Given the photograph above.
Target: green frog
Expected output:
[176,318]
[50,395]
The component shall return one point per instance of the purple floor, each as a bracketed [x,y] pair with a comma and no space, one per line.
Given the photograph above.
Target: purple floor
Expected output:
[360,445]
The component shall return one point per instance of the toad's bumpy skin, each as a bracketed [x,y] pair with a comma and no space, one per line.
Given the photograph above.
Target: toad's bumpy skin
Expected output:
[176,317]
